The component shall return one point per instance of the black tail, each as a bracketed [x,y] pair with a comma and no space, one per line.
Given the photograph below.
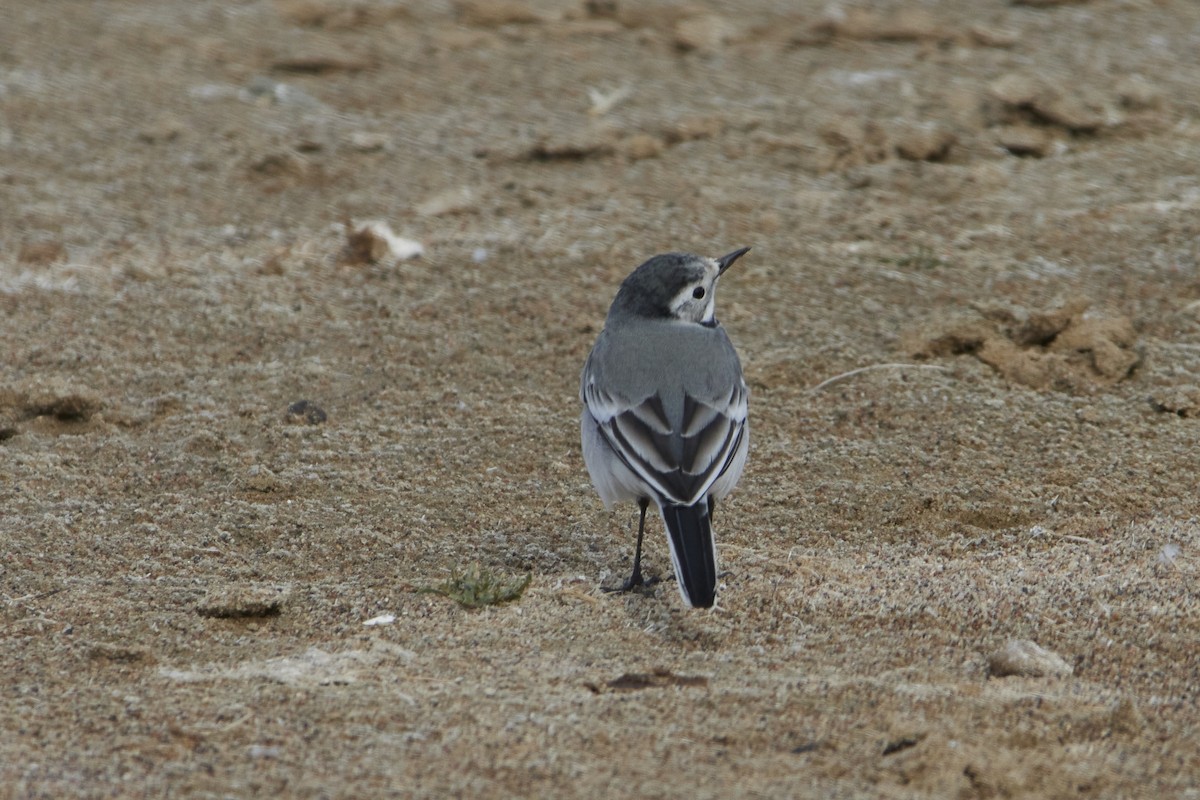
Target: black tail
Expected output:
[693,552]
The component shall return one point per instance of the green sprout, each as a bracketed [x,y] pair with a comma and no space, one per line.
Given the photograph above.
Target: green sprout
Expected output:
[477,587]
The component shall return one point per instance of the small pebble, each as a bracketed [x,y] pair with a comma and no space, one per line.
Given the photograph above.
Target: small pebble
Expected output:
[450,201]
[1134,91]
[924,142]
[304,412]
[642,145]
[368,141]
[1028,659]
[262,480]
[1025,140]
[372,242]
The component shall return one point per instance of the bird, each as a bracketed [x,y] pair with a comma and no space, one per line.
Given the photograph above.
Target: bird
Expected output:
[665,411]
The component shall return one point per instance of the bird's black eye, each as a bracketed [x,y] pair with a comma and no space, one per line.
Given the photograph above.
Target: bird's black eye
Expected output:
[698,292]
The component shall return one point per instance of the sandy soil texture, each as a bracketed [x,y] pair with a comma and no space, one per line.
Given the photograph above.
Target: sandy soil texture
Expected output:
[240,419]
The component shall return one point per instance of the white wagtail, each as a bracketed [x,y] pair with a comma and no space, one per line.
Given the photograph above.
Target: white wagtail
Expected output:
[665,410]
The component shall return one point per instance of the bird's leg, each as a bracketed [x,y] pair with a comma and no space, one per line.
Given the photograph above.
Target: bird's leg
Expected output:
[636,578]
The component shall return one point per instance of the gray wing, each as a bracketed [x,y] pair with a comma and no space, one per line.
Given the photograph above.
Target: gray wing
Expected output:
[681,461]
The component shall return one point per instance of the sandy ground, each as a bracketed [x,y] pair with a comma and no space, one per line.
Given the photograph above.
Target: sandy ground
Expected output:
[1004,197]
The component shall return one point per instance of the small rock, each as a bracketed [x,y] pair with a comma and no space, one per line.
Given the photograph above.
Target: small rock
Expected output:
[706,33]
[368,141]
[1135,92]
[924,142]
[575,147]
[1015,89]
[1183,401]
[449,201]
[1025,140]
[240,602]
[1028,659]
[904,25]
[1051,101]
[1077,112]
[642,145]
[283,164]
[372,242]
[262,480]
[164,129]
[303,412]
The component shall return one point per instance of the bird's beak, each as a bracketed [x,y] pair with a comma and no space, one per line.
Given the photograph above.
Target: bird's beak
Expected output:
[726,261]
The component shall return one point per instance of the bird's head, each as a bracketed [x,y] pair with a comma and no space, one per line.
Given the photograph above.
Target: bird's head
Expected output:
[674,286]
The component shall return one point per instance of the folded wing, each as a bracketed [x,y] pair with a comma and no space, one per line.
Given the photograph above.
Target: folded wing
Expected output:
[681,460]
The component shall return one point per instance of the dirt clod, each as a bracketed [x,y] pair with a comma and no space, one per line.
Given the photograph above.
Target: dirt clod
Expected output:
[242,602]
[660,677]
[1064,348]
[41,253]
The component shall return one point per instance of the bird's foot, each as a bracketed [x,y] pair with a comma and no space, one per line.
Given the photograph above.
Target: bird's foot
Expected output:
[635,580]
